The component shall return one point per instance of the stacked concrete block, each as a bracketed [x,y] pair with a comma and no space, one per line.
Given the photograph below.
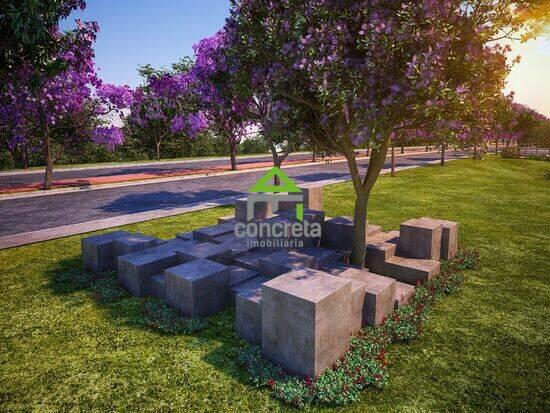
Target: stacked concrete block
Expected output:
[215,252]
[449,237]
[377,253]
[420,238]
[226,219]
[132,243]
[135,269]
[262,210]
[379,292]
[338,233]
[186,236]
[248,310]
[312,198]
[207,234]
[306,320]
[98,251]
[321,256]
[251,260]
[410,270]
[280,262]
[156,286]
[198,288]
[403,294]
[237,276]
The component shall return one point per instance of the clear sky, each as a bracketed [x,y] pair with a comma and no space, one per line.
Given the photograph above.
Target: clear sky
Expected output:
[134,32]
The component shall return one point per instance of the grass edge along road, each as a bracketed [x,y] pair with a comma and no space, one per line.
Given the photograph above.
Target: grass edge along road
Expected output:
[484,348]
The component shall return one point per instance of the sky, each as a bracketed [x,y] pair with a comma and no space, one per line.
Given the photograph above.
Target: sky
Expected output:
[136,32]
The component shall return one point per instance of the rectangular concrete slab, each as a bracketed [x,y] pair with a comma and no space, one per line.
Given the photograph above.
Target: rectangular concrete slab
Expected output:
[411,270]
[98,252]
[134,269]
[251,259]
[197,288]
[206,250]
[132,243]
[280,262]
[321,256]
[206,234]
[226,219]
[306,320]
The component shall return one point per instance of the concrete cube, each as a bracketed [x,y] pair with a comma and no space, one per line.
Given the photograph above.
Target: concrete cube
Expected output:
[338,233]
[207,234]
[262,210]
[312,198]
[420,238]
[251,259]
[98,251]
[306,320]
[403,293]
[248,310]
[280,262]
[237,276]
[135,269]
[449,237]
[197,288]
[206,250]
[156,286]
[322,256]
[132,243]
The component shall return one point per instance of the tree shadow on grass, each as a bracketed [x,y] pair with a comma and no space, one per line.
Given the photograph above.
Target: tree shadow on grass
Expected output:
[68,278]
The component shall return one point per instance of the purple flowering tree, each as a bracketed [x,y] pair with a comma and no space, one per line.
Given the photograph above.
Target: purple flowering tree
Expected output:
[222,106]
[56,107]
[359,70]
[166,105]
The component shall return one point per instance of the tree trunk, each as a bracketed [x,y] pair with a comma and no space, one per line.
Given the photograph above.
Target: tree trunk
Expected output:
[392,160]
[402,145]
[360,223]
[442,153]
[427,148]
[233,154]
[158,149]
[48,159]
[24,158]
[314,156]
[496,147]
[475,152]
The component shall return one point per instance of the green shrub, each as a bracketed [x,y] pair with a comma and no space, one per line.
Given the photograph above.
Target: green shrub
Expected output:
[159,316]
[365,363]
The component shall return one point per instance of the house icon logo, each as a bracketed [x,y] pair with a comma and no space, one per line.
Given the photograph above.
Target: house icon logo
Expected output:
[265,191]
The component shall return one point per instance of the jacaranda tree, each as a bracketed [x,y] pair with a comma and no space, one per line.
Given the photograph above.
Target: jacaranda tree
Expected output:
[58,103]
[358,69]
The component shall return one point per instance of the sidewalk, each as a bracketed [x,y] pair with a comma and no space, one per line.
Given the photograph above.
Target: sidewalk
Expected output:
[117,179]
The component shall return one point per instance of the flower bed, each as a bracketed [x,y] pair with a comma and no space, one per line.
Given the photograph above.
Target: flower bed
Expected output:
[365,363]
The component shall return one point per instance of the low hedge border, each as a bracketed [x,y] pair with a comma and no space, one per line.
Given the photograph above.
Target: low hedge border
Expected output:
[365,363]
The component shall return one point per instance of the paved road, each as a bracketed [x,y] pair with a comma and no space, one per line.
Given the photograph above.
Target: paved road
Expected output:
[162,167]
[31,214]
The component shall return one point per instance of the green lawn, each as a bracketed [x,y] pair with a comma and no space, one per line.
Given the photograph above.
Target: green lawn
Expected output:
[484,348]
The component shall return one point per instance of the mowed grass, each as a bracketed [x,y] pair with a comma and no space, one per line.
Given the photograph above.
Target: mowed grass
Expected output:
[484,348]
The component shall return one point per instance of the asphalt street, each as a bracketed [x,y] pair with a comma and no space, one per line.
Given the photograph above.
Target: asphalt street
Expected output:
[42,212]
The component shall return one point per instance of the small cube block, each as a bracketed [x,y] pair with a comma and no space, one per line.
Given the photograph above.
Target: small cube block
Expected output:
[449,238]
[132,243]
[420,238]
[197,288]
[98,251]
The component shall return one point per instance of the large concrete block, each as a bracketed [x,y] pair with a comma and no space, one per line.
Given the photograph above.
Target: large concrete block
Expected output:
[262,210]
[207,234]
[197,288]
[206,250]
[280,262]
[306,320]
[312,198]
[420,238]
[135,269]
[321,256]
[338,233]
[379,292]
[248,310]
[449,237]
[156,286]
[237,276]
[98,252]
[132,243]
